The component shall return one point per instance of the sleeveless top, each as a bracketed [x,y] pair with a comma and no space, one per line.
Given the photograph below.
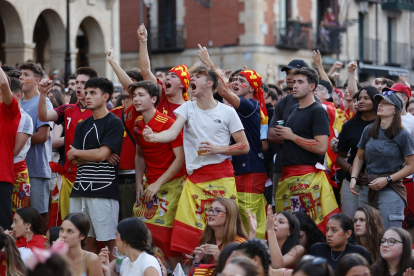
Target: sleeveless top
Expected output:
[84,261]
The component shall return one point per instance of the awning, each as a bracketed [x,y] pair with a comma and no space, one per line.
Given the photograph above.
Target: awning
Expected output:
[381,70]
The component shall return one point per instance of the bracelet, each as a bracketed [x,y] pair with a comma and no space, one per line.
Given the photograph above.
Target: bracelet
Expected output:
[144,40]
[196,264]
[354,177]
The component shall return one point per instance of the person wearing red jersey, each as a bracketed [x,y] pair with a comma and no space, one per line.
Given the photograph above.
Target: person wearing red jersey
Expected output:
[174,92]
[9,122]
[164,165]
[127,114]
[69,115]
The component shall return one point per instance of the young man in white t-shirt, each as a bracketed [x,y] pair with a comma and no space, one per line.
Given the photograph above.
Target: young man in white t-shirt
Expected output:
[21,188]
[406,118]
[208,125]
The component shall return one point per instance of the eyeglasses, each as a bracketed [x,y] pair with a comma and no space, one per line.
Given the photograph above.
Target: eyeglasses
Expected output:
[315,260]
[215,212]
[320,87]
[387,92]
[390,241]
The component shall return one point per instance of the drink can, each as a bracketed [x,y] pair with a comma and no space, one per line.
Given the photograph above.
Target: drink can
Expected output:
[280,123]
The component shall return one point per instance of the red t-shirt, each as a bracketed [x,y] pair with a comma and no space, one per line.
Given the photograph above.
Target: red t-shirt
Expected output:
[71,115]
[128,150]
[9,122]
[158,156]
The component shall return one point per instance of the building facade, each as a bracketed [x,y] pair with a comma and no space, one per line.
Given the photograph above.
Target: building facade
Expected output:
[36,30]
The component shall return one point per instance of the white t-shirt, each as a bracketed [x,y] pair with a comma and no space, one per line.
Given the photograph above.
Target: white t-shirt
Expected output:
[408,123]
[214,125]
[138,267]
[25,126]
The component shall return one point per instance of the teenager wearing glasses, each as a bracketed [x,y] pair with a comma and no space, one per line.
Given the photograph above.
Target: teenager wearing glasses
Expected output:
[224,225]
[385,147]
[396,257]
[340,241]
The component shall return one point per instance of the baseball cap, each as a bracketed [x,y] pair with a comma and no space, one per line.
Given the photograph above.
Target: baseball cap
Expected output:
[399,87]
[327,85]
[295,64]
[389,95]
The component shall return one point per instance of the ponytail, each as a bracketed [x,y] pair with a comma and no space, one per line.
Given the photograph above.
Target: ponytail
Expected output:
[14,263]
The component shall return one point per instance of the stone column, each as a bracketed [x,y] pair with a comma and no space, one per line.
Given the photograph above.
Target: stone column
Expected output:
[253,18]
[18,52]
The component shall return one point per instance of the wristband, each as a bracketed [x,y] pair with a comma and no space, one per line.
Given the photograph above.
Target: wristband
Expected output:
[144,40]
[354,177]
[196,264]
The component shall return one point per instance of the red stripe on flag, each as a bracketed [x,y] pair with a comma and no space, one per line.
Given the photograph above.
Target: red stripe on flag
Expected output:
[212,172]
[322,225]
[187,238]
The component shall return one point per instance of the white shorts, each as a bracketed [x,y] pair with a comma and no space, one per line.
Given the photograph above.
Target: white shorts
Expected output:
[102,214]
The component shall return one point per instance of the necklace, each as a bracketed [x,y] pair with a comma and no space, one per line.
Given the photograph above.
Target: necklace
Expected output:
[338,256]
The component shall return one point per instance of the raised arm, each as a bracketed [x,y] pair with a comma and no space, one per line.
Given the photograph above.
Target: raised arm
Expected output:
[337,65]
[42,112]
[222,87]
[5,88]
[352,85]
[317,58]
[165,136]
[144,60]
[119,72]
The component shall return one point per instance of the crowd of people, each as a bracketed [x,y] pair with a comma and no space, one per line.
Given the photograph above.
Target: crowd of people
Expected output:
[206,171]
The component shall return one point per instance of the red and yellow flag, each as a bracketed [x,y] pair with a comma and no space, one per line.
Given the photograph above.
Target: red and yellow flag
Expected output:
[306,189]
[182,72]
[200,190]
[21,187]
[159,213]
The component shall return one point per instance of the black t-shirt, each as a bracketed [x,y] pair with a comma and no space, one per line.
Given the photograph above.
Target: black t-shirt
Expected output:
[98,179]
[281,112]
[349,139]
[323,250]
[307,123]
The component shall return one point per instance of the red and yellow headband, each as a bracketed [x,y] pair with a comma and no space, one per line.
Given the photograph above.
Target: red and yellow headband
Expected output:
[182,72]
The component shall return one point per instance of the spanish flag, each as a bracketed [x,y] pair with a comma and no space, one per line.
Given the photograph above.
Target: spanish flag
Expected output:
[21,187]
[59,207]
[307,189]
[200,190]
[159,213]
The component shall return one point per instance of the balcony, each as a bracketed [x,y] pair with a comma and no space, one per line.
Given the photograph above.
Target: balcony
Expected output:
[328,39]
[399,54]
[167,38]
[294,35]
[369,51]
[407,5]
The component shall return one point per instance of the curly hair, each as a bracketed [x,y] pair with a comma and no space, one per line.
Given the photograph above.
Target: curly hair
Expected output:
[256,247]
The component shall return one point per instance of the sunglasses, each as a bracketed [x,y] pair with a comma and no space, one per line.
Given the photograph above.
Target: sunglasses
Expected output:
[387,92]
[315,260]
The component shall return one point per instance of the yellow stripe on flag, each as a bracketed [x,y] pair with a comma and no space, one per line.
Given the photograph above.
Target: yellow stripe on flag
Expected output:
[256,203]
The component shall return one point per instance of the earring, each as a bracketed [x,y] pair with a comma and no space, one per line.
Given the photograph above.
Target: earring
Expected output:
[28,230]
[124,244]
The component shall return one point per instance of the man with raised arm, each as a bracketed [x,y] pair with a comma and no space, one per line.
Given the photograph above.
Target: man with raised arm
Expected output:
[9,122]
[174,92]
[69,115]
[39,154]
[250,171]
[164,166]
[95,191]
[208,125]
[128,115]
[304,186]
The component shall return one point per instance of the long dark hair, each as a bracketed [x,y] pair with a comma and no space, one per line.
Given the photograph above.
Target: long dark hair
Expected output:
[224,255]
[60,100]
[53,234]
[294,236]
[407,261]
[309,268]
[308,225]
[134,232]
[81,222]
[32,216]
[256,247]
[348,261]
[371,91]
[392,131]
[55,265]
[374,230]
[346,224]
[14,262]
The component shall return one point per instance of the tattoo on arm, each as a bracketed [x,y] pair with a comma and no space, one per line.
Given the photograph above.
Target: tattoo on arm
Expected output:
[81,161]
[236,147]
[307,143]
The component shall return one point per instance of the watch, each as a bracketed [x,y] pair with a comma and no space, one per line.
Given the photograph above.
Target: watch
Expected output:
[389,179]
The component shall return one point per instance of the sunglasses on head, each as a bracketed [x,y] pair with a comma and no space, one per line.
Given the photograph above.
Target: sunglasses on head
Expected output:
[315,260]
[387,92]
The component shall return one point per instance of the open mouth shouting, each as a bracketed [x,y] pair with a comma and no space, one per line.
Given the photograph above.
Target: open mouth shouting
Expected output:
[167,85]
[193,86]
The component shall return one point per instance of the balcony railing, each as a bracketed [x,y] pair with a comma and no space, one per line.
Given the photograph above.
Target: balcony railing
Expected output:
[399,54]
[167,38]
[369,51]
[398,5]
[294,35]
[328,39]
